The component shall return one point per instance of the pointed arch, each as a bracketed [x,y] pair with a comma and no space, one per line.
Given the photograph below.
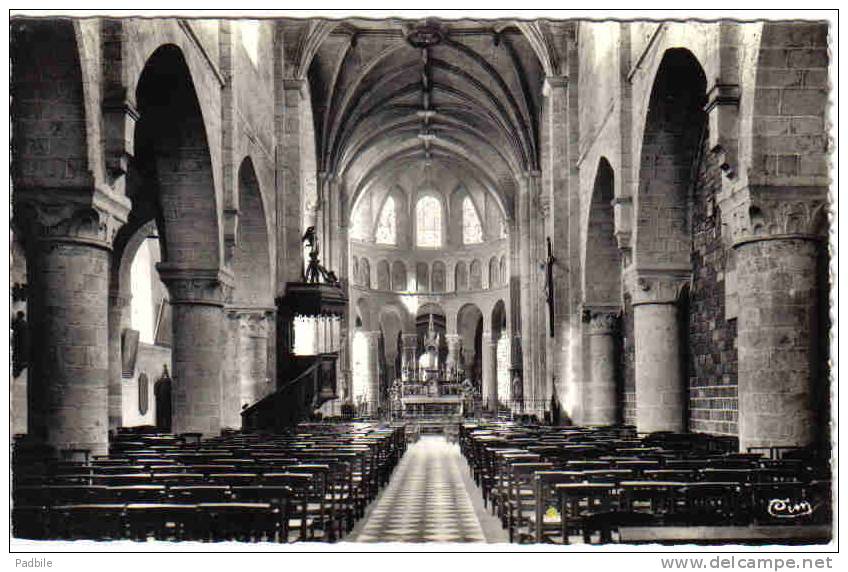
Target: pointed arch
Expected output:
[386,229]
[461,277]
[252,258]
[602,258]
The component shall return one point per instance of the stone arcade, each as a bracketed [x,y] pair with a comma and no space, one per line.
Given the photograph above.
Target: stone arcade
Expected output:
[165,171]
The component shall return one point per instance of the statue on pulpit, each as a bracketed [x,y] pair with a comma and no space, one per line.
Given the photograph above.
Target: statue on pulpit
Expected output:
[315,271]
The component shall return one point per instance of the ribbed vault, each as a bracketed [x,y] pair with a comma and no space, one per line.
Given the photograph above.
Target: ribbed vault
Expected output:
[387,94]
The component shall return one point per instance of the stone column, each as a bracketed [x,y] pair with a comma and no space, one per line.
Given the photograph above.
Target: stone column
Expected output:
[526,268]
[118,306]
[253,359]
[558,166]
[373,398]
[601,399]
[408,359]
[197,302]
[454,342]
[69,245]
[490,371]
[660,388]
[249,380]
[777,236]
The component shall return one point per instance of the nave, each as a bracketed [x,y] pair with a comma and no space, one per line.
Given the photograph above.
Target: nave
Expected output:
[430,498]
[370,482]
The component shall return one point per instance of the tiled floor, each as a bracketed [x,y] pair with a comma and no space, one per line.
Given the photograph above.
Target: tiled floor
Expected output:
[430,498]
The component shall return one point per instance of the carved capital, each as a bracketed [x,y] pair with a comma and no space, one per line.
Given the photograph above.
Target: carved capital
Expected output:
[660,287]
[768,213]
[211,287]
[71,215]
[601,320]
[252,322]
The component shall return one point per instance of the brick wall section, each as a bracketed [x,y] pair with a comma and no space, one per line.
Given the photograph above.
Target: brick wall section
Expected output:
[711,360]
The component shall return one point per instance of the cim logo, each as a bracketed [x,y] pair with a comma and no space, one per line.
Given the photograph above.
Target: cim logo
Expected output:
[784,508]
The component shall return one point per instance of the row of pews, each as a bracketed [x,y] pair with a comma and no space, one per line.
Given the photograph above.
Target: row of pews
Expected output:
[608,484]
[311,484]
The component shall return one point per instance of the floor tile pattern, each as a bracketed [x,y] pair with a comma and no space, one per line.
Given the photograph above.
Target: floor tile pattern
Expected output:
[426,500]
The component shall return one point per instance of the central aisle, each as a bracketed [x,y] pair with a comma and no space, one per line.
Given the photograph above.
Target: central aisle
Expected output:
[430,498]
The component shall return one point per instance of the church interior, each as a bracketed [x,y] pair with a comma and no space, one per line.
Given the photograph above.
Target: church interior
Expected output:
[286,280]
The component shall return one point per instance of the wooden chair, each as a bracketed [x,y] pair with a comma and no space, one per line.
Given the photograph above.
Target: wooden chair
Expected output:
[579,504]
[95,521]
[277,497]
[164,521]
[242,521]
[195,494]
[521,497]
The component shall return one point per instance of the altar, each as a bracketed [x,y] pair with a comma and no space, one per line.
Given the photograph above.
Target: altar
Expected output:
[431,391]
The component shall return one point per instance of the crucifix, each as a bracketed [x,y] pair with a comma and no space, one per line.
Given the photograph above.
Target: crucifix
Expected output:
[549,286]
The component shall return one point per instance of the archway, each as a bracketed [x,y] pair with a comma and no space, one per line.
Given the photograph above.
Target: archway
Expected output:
[601,306]
[501,388]
[469,326]
[172,182]
[673,140]
[391,327]
[64,221]
[246,378]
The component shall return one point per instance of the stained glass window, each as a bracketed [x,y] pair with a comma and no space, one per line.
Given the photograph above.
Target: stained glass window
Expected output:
[387,225]
[472,230]
[428,221]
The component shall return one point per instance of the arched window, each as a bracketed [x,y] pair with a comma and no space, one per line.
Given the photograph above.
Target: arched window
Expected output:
[384,281]
[399,283]
[387,225]
[475,275]
[472,230]
[461,277]
[438,276]
[422,277]
[428,222]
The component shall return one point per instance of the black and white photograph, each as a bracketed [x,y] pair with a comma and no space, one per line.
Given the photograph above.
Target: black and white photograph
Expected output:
[372,280]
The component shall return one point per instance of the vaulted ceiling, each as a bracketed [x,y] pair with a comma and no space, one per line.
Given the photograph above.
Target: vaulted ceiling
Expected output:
[391,95]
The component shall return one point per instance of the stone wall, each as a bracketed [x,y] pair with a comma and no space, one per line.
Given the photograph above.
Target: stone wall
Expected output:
[151,361]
